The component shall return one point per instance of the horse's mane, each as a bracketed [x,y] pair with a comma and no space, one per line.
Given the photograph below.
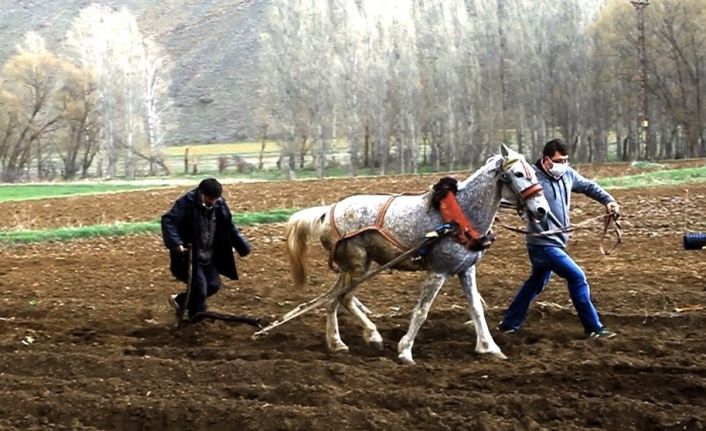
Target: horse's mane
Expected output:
[491,164]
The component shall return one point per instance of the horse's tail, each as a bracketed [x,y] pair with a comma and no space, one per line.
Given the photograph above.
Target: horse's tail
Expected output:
[302,226]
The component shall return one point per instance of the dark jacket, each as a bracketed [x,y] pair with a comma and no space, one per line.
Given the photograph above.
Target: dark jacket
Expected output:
[180,225]
[558,194]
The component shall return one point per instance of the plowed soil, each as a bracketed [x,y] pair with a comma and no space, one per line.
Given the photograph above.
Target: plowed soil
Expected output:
[88,341]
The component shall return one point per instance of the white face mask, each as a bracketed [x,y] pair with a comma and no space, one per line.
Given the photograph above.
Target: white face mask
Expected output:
[558,169]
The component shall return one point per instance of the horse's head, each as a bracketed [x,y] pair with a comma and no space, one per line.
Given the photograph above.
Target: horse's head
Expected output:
[521,186]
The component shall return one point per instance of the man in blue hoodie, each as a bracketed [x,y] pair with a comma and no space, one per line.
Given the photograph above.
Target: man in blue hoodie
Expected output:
[548,253]
[200,223]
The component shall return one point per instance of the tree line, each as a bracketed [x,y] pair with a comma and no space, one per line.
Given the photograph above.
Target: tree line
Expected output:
[400,83]
[442,82]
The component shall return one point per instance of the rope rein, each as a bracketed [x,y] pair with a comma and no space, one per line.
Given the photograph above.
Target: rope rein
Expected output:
[608,219]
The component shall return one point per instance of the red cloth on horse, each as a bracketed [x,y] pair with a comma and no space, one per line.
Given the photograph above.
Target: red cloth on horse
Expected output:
[452,212]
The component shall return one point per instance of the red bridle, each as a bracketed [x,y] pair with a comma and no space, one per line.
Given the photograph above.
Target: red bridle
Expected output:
[530,191]
[533,189]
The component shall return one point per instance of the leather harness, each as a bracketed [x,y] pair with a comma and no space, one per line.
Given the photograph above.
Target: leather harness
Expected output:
[377,226]
[450,212]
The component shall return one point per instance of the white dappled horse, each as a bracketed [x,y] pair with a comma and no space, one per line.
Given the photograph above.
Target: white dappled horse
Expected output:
[362,229]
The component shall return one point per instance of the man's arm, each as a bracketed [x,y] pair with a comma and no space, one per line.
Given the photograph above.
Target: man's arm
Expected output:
[170,220]
[240,244]
[593,191]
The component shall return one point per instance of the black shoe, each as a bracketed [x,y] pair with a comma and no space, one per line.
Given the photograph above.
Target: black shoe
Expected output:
[505,329]
[602,333]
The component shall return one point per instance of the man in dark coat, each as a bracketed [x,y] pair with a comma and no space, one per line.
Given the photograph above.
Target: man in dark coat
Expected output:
[201,223]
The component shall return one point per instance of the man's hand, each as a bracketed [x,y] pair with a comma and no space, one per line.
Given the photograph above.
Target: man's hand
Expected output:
[182,249]
[613,208]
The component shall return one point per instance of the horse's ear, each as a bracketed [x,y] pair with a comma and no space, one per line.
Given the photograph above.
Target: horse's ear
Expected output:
[504,150]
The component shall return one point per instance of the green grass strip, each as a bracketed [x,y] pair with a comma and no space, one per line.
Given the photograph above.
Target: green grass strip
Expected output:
[21,192]
[70,233]
[668,177]
[122,229]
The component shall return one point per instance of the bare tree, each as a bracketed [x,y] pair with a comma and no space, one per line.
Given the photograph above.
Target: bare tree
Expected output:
[80,143]
[34,102]
[350,43]
[679,68]
[132,77]
[283,64]
[154,68]
[676,53]
[89,42]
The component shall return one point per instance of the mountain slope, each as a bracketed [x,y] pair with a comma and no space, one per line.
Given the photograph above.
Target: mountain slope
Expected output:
[213,44]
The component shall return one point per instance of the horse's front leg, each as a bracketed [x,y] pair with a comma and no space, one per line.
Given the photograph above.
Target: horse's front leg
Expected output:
[431,288]
[484,341]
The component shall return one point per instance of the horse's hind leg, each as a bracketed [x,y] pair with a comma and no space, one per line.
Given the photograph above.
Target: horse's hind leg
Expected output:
[370,331]
[431,288]
[352,258]
[484,341]
[361,306]
[333,336]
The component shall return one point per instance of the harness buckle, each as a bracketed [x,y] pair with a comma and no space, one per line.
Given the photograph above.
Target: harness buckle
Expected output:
[443,229]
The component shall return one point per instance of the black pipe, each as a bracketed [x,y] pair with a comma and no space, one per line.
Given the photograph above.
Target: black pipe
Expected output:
[694,240]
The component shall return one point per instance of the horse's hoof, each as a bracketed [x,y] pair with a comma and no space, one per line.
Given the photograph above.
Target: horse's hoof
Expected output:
[338,348]
[405,359]
[498,355]
[487,348]
[375,340]
[377,345]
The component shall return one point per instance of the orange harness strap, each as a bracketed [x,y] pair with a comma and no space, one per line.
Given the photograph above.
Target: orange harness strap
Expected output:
[377,226]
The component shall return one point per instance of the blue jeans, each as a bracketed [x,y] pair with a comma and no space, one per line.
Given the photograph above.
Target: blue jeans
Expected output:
[204,283]
[545,260]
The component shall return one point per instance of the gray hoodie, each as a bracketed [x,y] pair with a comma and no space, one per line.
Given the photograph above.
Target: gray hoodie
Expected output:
[558,194]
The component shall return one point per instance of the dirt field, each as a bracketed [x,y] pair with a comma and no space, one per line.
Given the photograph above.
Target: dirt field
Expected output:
[88,341]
